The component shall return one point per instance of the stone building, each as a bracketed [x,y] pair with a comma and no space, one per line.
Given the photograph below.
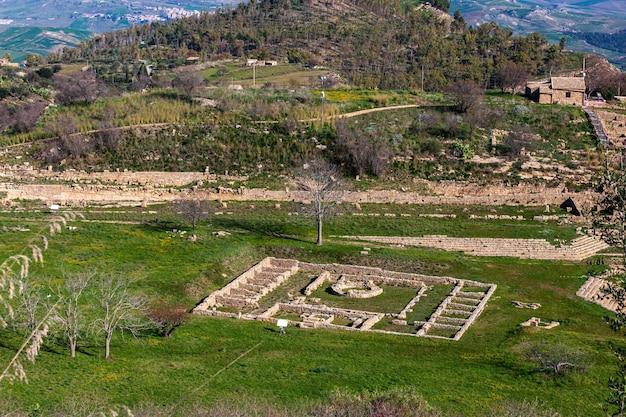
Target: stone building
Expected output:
[558,90]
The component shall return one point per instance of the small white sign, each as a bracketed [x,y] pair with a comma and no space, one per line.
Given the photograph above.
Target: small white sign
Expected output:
[54,207]
[282,322]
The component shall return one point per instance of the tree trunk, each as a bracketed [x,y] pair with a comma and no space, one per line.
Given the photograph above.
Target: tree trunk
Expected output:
[107,348]
[319,232]
[72,348]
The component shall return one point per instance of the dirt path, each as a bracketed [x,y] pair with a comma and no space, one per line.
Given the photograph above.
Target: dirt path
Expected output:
[376,109]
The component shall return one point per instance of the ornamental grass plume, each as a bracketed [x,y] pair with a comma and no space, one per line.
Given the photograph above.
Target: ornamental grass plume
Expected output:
[13,274]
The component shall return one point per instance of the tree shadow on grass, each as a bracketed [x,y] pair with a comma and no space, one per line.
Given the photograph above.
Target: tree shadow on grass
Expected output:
[260,227]
[162,226]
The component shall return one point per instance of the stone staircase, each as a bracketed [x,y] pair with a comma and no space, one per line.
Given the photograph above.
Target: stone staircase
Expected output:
[579,249]
[457,312]
[591,290]
[247,289]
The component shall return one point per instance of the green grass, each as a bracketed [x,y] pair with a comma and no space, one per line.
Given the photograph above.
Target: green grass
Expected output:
[392,300]
[485,367]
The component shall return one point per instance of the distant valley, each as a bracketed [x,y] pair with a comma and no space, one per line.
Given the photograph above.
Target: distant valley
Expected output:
[39,26]
[571,18]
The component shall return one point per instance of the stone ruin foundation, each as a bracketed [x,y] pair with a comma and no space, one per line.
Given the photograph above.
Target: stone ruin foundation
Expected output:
[243,298]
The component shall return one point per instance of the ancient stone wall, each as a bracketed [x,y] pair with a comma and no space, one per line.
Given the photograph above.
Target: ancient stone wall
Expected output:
[154,187]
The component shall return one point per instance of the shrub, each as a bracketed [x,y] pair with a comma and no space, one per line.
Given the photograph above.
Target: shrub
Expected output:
[556,359]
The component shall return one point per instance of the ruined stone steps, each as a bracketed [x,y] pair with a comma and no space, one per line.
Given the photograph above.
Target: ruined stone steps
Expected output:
[457,312]
[591,290]
[460,306]
[580,248]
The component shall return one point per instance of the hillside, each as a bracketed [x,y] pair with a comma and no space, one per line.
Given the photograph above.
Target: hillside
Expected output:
[21,41]
[371,43]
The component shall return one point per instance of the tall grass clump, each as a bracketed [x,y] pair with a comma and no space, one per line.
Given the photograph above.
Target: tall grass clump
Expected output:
[14,283]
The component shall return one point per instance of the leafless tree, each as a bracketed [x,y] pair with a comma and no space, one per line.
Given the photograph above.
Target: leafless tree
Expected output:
[361,152]
[512,76]
[20,118]
[517,140]
[70,143]
[321,181]
[465,95]
[80,87]
[32,305]
[118,309]
[188,82]
[108,134]
[599,74]
[193,210]
[25,117]
[70,313]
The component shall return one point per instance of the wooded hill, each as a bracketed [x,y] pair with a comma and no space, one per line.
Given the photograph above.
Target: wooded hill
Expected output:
[371,43]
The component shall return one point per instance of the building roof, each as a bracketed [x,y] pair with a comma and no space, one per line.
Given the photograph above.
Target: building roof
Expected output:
[568,83]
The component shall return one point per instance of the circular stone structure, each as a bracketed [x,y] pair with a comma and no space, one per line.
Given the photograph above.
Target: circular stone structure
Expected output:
[356,289]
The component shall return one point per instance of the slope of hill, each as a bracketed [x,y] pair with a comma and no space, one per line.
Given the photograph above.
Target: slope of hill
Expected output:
[20,41]
[373,44]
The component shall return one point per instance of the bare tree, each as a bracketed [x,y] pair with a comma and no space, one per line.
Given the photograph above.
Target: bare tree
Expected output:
[26,117]
[32,305]
[119,309]
[516,141]
[188,82]
[361,152]
[69,141]
[108,135]
[512,76]
[81,87]
[599,73]
[70,312]
[321,181]
[465,95]
[193,210]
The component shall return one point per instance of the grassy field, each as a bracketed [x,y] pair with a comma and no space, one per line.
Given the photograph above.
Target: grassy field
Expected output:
[484,368]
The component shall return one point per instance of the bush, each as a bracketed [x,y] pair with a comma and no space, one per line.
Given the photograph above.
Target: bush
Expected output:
[431,146]
[556,359]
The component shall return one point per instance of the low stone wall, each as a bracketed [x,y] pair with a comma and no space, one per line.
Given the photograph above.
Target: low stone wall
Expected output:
[24,182]
[318,282]
[376,273]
